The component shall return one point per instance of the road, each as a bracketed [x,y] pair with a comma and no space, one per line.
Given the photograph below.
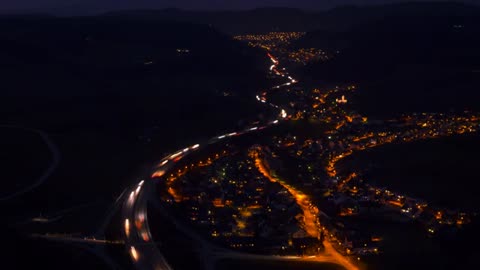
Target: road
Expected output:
[310,212]
[46,174]
[138,239]
[310,222]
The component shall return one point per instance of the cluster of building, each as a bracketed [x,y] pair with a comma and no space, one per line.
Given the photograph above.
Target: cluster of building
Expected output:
[228,199]
[343,237]
[406,129]
[307,55]
[279,44]
[270,41]
[351,195]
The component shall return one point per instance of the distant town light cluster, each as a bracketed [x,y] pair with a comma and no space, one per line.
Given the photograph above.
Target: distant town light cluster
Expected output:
[270,40]
[183,51]
[278,43]
[306,55]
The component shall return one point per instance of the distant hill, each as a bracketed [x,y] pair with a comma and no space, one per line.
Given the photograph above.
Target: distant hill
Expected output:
[233,22]
[290,19]
[113,73]
[337,25]
[72,56]
[411,61]
[261,20]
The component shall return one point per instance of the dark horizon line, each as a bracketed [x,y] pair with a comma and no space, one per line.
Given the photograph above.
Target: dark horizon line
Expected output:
[69,10]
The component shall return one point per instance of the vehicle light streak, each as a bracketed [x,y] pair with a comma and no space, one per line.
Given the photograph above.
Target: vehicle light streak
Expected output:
[196,146]
[175,155]
[127,227]
[145,236]
[158,173]
[131,197]
[134,253]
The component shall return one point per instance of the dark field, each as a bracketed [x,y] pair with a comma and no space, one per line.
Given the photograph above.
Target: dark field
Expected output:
[280,265]
[443,171]
[24,155]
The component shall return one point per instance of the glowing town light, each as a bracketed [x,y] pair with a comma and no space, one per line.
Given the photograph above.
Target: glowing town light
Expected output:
[343,100]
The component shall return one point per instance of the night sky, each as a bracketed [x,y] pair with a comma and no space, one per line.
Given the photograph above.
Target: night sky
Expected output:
[104,5]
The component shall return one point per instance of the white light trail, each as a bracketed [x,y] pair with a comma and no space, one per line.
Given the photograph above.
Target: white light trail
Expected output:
[138,190]
[176,155]
[131,197]
[196,146]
